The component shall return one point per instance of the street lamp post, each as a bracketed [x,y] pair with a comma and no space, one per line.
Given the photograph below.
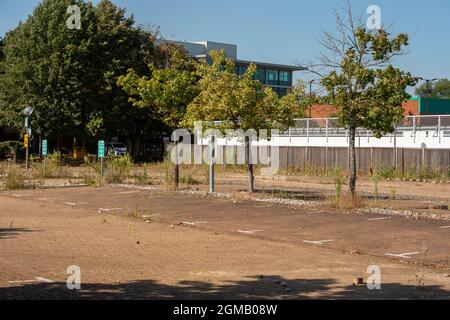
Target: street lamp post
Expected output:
[310,97]
[428,82]
[310,87]
[27,112]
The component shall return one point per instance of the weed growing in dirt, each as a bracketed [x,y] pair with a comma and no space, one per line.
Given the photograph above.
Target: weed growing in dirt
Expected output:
[14,177]
[118,169]
[49,168]
[338,183]
[189,180]
[376,180]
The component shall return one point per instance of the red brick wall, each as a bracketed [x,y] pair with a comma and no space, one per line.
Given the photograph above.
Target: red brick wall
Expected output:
[328,111]
[322,111]
[411,108]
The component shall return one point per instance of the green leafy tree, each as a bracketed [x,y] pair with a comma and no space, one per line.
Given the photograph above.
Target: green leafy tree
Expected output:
[438,90]
[70,76]
[166,92]
[238,102]
[2,56]
[44,68]
[366,88]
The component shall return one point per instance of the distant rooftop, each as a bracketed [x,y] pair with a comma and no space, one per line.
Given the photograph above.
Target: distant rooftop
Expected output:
[201,49]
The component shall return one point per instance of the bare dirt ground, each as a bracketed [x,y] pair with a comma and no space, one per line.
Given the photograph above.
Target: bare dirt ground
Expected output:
[144,244]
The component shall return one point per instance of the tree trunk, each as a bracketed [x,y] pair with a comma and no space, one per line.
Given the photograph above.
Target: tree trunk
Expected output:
[137,147]
[130,146]
[352,162]
[59,142]
[251,178]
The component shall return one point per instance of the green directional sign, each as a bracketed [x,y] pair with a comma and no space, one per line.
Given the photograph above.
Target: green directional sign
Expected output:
[44,148]
[101,149]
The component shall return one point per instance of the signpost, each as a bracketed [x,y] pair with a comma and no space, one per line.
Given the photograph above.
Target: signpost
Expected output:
[44,153]
[212,155]
[101,154]
[28,111]
[44,148]
[26,145]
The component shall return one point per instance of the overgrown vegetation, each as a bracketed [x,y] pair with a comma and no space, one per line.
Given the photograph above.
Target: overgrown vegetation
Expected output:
[118,169]
[414,173]
[13,177]
[50,168]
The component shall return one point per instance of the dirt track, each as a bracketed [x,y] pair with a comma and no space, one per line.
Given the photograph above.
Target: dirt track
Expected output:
[43,232]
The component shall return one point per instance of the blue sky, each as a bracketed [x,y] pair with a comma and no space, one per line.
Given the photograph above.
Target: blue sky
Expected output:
[285,31]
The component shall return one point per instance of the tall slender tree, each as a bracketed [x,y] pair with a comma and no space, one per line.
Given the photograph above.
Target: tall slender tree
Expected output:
[364,85]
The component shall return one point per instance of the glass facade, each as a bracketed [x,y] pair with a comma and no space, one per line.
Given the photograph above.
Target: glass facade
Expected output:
[274,78]
[285,79]
[260,75]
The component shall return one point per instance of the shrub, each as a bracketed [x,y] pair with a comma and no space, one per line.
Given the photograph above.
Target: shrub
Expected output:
[118,169]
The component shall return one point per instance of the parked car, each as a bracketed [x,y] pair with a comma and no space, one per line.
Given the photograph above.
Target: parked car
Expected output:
[117,149]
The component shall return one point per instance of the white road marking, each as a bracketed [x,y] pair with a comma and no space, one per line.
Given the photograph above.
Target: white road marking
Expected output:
[21,195]
[249,231]
[445,227]
[320,242]
[262,207]
[22,281]
[193,223]
[101,210]
[41,279]
[36,279]
[402,255]
[376,219]
[74,203]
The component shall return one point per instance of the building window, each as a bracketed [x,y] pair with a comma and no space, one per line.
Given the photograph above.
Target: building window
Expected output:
[260,75]
[242,70]
[272,77]
[285,78]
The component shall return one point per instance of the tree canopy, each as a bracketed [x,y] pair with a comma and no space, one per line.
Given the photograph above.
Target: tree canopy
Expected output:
[69,76]
[438,90]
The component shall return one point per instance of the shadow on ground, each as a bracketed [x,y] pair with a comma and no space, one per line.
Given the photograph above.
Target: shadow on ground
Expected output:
[8,233]
[306,195]
[258,287]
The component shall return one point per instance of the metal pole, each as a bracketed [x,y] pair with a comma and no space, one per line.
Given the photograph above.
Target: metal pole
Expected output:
[177,167]
[211,164]
[28,144]
[439,128]
[101,167]
[395,146]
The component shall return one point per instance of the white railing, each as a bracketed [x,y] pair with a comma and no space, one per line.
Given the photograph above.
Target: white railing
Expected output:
[330,127]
